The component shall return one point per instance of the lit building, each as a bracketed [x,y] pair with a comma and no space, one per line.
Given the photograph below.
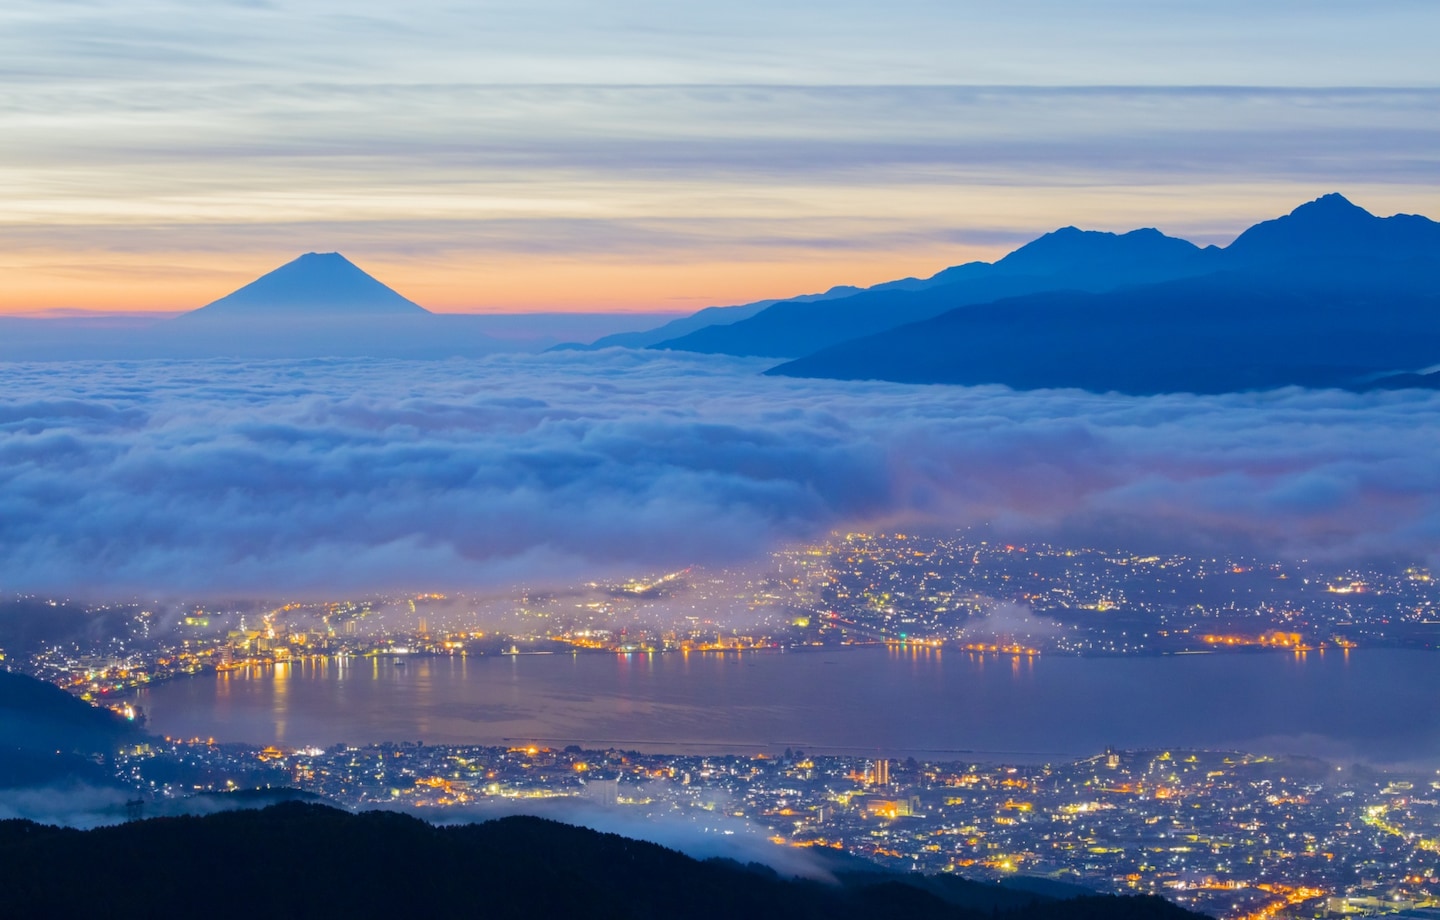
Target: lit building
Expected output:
[880,773]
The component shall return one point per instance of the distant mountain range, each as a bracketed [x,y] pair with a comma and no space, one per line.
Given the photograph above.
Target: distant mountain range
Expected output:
[1067,259]
[1219,333]
[1328,295]
[723,316]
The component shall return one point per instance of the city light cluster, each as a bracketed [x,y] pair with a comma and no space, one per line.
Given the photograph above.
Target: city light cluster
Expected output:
[1229,834]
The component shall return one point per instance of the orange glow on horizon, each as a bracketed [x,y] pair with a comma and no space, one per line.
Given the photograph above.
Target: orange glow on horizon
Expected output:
[863,240]
[52,286]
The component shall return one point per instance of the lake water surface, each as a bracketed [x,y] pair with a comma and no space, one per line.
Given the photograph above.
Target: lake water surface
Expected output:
[1380,706]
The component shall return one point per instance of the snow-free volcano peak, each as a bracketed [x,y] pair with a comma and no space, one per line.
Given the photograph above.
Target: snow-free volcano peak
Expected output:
[318,284]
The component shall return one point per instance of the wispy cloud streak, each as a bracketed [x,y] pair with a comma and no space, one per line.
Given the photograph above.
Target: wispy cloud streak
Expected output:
[620,197]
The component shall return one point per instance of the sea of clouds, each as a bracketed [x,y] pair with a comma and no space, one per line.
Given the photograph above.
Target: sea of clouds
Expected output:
[318,475]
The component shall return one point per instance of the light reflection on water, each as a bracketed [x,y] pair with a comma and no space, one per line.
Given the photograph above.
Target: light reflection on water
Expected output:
[1375,705]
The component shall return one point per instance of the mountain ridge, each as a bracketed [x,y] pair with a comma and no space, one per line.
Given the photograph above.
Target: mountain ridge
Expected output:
[724,316]
[1225,332]
[1332,226]
[1068,258]
[1405,247]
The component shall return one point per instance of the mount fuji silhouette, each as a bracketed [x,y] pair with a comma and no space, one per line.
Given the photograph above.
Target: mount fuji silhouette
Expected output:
[319,305]
[318,284]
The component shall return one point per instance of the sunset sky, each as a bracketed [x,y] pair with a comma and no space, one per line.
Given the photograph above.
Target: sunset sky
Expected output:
[649,156]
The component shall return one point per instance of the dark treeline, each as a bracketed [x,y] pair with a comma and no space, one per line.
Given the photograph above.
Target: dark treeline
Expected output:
[297,859]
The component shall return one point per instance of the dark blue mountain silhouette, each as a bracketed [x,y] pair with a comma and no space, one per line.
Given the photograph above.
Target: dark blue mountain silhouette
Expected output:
[319,305]
[1100,261]
[1220,333]
[1070,259]
[1337,235]
[1328,239]
[724,316]
[1329,295]
[316,284]
[709,316]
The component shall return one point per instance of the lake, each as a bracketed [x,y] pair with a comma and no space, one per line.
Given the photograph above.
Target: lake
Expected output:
[1376,705]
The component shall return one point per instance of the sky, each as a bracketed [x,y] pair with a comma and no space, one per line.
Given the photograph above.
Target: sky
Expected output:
[570,156]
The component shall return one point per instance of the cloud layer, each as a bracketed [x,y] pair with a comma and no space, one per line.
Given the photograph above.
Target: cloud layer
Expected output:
[260,478]
[1107,42]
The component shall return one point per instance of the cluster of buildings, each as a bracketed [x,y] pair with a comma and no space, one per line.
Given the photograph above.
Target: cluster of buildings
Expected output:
[856,589]
[1231,835]
[1228,834]
[1092,601]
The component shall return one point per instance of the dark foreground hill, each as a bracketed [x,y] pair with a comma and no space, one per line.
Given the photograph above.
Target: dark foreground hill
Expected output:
[46,735]
[296,860]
